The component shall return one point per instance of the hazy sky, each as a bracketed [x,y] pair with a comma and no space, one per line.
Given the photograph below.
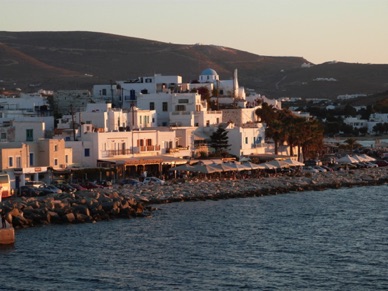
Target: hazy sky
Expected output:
[318,30]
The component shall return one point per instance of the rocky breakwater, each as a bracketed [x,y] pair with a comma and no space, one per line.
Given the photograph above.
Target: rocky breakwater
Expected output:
[84,206]
[196,190]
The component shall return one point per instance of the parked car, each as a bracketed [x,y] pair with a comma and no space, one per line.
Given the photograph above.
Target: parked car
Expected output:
[43,187]
[66,188]
[329,169]
[28,191]
[105,184]
[381,163]
[31,191]
[153,180]
[309,169]
[371,165]
[78,187]
[129,181]
[91,185]
[53,188]
[320,169]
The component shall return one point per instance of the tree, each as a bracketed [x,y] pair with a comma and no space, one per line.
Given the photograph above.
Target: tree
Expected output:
[219,141]
[352,144]
[310,138]
[205,95]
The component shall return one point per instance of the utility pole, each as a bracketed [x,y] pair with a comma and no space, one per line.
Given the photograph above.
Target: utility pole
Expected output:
[72,120]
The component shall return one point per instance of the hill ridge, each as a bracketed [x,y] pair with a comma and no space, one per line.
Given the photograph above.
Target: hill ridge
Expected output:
[79,59]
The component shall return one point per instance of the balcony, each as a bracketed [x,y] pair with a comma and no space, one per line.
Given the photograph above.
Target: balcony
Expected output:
[176,150]
[150,148]
[123,152]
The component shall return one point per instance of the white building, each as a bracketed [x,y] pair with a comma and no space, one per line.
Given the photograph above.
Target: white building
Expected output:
[21,131]
[247,139]
[101,117]
[100,146]
[125,93]
[27,108]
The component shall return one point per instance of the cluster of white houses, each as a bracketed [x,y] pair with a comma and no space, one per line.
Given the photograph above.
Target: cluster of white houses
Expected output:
[128,126]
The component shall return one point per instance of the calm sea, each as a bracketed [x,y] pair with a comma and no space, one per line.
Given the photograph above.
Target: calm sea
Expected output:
[328,240]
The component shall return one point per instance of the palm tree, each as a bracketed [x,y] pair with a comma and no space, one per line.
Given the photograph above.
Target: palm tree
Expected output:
[275,131]
[311,139]
[352,144]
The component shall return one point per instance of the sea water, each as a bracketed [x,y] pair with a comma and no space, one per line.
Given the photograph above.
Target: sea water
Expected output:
[326,240]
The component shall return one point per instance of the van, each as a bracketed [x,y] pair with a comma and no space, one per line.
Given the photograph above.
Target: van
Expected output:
[5,186]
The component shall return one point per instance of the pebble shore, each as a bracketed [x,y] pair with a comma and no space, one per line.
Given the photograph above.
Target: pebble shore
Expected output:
[139,201]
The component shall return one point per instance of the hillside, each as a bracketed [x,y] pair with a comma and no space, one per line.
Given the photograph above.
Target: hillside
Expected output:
[77,60]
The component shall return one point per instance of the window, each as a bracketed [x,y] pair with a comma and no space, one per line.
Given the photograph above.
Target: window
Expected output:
[246,140]
[180,108]
[18,162]
[165,106]
[152,105]
[55,148]
[87,152]
[10,162]
[29,135]
[55,162]
[103,92]
[149,141]
[31,159]
[66,159]
[3,135]
[183,101]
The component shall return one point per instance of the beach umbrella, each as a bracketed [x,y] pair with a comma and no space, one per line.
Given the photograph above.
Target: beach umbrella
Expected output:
[185,167]
[223,167]
[359,158]
[368,158]
[347,160]
[293,163]
[267,166]
[253,166]
[238,167]
[278,164]
[206,169]
[244,159]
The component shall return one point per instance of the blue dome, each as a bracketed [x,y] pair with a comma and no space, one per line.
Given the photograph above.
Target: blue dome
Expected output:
[209,72]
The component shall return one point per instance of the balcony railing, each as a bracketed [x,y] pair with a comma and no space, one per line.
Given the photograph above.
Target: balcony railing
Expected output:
[176,150]
[123,152]
[150,148]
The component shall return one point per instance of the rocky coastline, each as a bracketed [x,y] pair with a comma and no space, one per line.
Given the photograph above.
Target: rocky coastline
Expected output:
[139,201]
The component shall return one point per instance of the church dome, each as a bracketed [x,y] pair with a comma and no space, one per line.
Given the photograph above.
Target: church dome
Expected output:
[209,72]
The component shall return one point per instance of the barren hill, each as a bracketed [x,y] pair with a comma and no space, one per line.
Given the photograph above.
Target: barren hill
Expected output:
[77,60]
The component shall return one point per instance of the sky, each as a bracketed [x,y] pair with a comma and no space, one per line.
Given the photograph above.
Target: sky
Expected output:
[354,31]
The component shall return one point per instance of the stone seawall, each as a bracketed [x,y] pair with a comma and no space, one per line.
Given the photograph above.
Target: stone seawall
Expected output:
[136,201]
